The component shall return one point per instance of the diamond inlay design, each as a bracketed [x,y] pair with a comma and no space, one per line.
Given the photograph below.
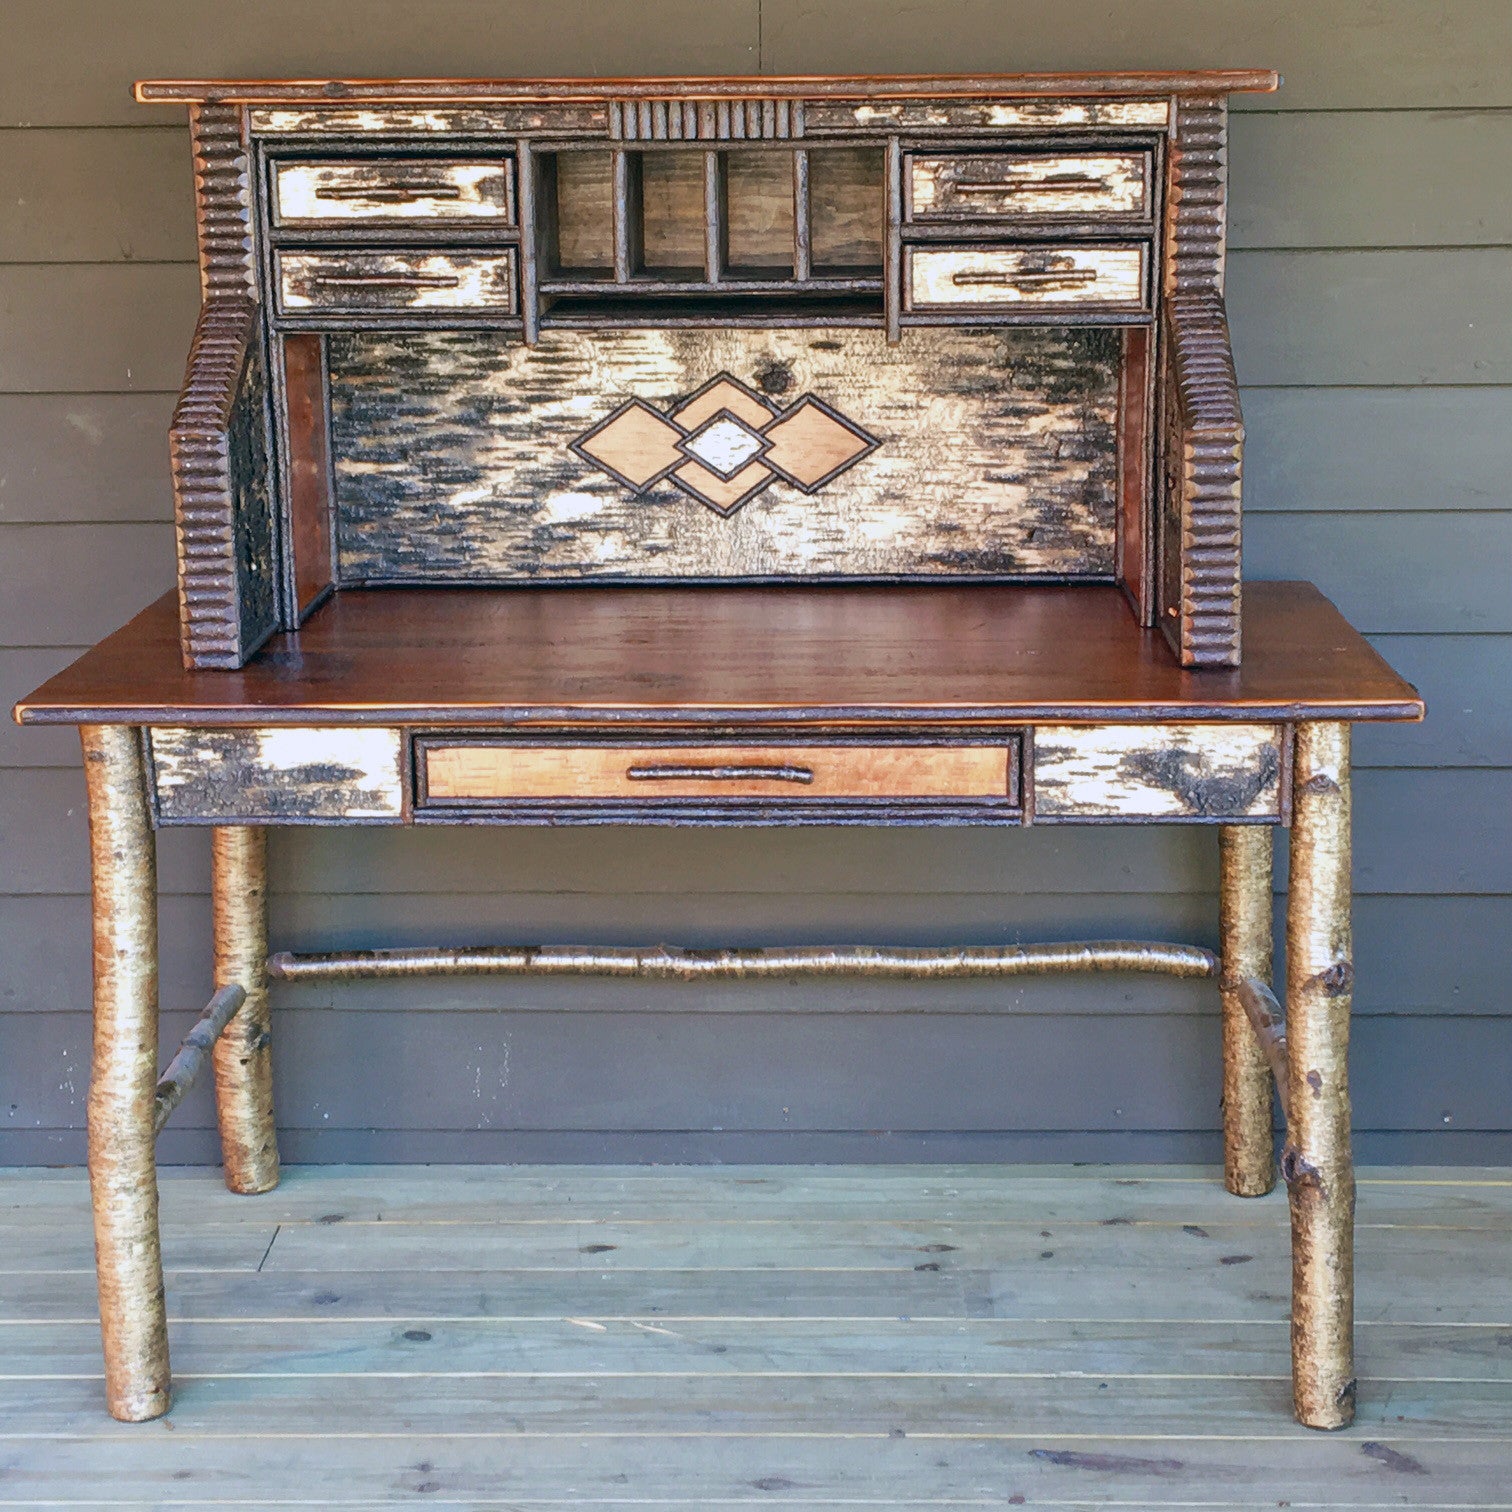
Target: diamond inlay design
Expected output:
[724,444]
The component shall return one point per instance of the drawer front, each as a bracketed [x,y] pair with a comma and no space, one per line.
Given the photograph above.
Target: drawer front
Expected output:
[997,278]
[1028,186]
[357,282]
[396,189]
[301,775]
[1192,772]
[459,772]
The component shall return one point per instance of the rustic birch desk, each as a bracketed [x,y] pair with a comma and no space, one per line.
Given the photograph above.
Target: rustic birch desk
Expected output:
[819,451]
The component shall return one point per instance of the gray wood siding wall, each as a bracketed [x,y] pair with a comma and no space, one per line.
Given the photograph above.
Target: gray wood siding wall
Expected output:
[1371,258]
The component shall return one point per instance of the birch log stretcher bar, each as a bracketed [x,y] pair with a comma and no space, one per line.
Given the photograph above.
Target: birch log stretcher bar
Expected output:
[716,452]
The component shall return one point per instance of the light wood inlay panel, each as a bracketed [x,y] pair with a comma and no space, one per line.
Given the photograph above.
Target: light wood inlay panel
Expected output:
[1111,278]
[246,775]
[1186,771]
[392,189]
[336,282]
[482,772]
[1027,186]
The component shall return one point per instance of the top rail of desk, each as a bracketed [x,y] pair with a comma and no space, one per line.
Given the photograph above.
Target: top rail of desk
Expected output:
[872,654]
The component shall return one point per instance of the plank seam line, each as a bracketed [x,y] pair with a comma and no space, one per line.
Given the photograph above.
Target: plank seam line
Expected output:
[880,1435]
[277,1229]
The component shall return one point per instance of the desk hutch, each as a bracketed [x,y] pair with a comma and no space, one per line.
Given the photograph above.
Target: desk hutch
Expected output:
[716,451]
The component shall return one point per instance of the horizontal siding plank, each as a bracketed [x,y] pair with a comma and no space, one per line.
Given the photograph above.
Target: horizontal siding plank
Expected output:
[75,66]
[125,195]
[21,670]
[74,584]
[1408,448]
[1413,955]
[85,457]
[1404,573]
[95,327]
[642,1071]
[1376,178]
[1372,317]
[1351,55]
[1467,681]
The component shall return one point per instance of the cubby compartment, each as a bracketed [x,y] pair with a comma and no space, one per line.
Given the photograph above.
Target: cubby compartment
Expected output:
[670,190]
[758,213]
[663,227]
[577,208]
[847,210]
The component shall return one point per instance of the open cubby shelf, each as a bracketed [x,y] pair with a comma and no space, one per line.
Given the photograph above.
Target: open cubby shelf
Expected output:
[755,221]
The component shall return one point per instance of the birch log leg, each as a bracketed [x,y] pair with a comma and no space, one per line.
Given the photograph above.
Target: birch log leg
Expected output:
[1317,1162]
[122,1164]
[244,1052]
[1249,1163]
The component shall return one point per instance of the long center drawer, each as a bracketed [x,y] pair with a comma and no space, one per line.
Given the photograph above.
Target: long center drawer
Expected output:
[461,772]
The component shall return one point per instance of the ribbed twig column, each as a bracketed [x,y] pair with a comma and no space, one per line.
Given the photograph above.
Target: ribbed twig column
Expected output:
[122,1165]
[244,1052]
[1317,1163]
[1249,1160]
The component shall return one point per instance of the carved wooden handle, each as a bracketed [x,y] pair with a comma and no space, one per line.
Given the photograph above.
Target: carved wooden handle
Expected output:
[395,194]
[667,771]
[1026,185]
[387,280]
[1032,278]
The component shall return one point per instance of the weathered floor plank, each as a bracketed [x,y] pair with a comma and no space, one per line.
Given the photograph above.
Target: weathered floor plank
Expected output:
[311,1346]
[1460,1196]
[901,1338]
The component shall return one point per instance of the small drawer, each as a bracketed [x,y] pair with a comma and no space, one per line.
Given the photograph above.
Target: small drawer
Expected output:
[1213,773]
[341,282]
[293,774]
[1108,278]
[381,190]
[1024,186]
[480,773]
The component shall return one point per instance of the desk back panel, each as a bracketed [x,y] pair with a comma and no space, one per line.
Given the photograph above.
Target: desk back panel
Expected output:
[730,454]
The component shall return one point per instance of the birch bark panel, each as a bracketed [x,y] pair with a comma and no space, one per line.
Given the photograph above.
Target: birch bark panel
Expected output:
[252,505]
[394,189]
[1089,276]
[998,456]
[248,775]
[967,115]
[1157,772]
[1027,186]
[429,121]
[336,282]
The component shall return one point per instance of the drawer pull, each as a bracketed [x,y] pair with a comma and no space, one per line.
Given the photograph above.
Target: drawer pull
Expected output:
[386,280]
[392,194]
[1030,278]
[1026,186]
[668,771]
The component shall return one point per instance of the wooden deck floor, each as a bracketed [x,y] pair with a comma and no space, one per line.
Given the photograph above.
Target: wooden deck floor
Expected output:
[881,1338]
